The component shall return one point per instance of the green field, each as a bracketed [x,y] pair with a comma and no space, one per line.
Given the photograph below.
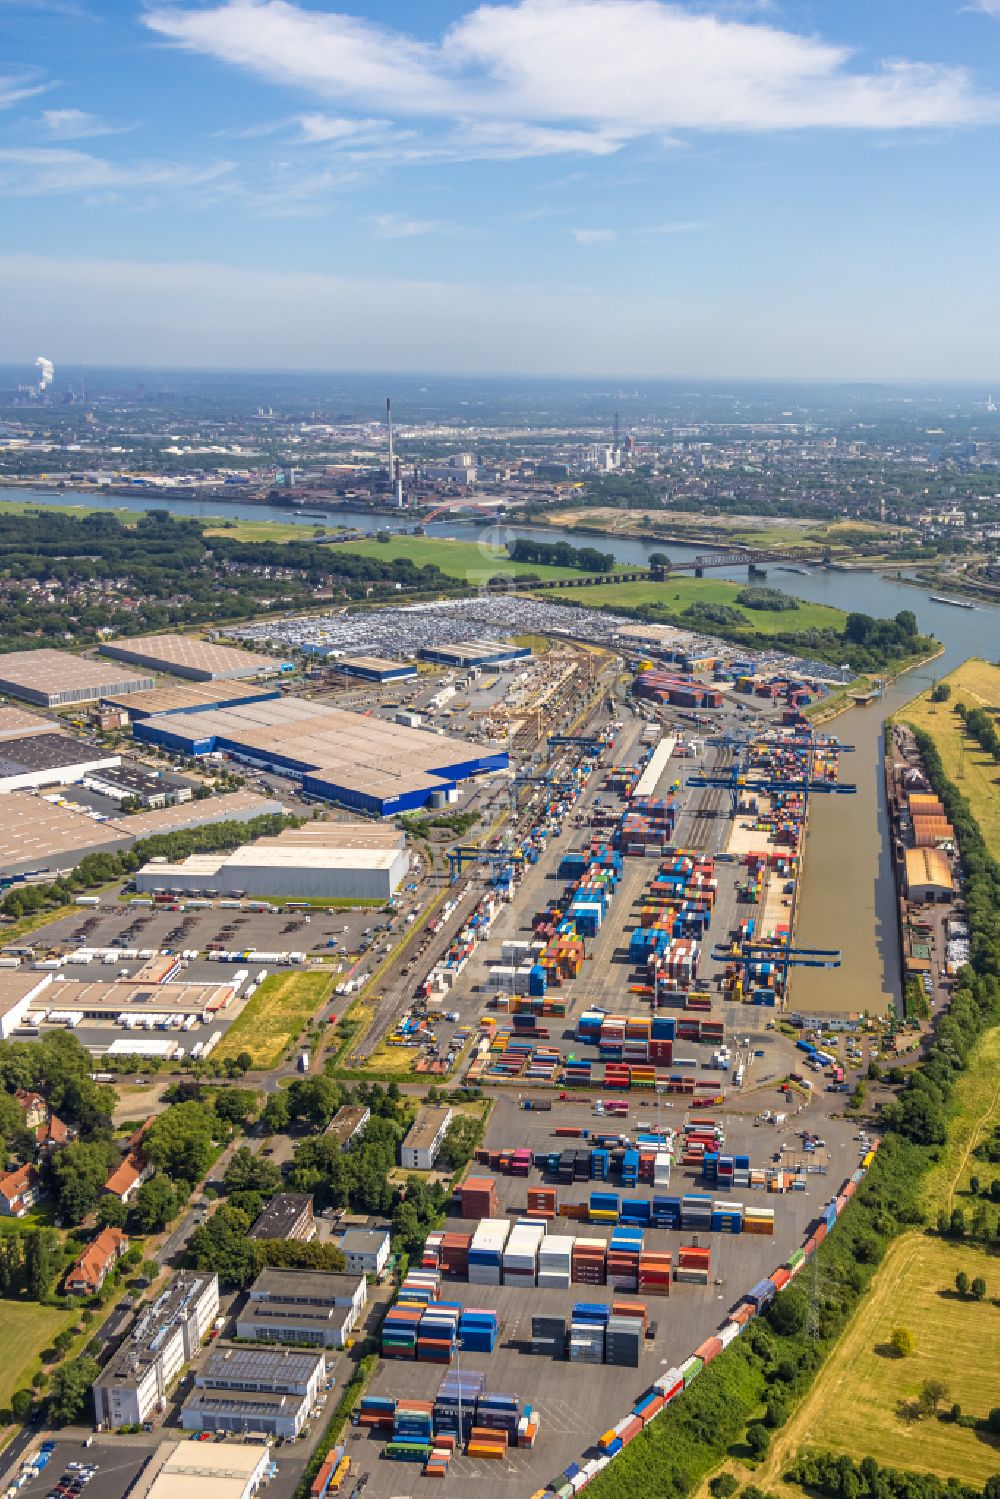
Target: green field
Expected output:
[976,774]
[854,1407]
[459,559]
[27,1329]
[275,1016]
[676,594]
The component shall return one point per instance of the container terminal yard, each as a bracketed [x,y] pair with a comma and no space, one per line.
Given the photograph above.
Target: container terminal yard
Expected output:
[607,956]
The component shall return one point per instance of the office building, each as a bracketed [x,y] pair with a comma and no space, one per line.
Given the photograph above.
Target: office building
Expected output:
[132,1387]
[422,1145]
[289,1215]
[260,1391]
[366,1250]
[303,1306]
[348,1123]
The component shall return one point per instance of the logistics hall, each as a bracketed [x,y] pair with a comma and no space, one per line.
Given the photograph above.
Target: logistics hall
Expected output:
[189,656]
[354,760]
[320,861]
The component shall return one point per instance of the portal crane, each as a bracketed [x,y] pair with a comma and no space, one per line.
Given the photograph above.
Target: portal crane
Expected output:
[736,779]
[751,955]
[499,859]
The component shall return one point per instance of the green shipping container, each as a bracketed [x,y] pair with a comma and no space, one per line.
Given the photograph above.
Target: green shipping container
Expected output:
[690,1369]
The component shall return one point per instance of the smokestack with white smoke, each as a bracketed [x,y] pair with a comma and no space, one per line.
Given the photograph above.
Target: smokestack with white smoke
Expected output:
[47,370]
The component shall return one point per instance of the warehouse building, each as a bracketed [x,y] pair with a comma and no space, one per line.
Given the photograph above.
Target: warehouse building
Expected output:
[289,1215]
[17,992]
[199,660]
[303,1306]
[191,697]
[237,806]
[132,1387]
[15,723]
[49,760]
[422,1145]
[56,679]
[134,783]
[928,875]
[135,1001]
[309,863]
[348,758]
[258,1391]
[376,669]
[43,837]
[468,653]
[202,1470]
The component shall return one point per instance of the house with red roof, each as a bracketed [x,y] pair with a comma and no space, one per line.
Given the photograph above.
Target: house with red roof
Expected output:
[90,1271]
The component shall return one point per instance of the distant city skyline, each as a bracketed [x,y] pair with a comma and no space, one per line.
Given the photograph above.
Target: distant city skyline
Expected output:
[747,188]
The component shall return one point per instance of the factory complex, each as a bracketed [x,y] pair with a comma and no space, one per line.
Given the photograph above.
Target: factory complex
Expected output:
[321,861]
[194,658]
[349,758]
[57,679]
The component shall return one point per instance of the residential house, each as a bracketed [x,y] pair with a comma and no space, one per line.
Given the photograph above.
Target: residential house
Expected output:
[88,1274]
[53,1134]
[33,1107]
[127,1178]
[19,1191]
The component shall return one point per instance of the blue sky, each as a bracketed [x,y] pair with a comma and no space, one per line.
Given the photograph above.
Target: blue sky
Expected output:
[541,186]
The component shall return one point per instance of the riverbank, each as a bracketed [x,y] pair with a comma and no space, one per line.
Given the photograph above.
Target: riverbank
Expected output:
[843,700]
[976,683]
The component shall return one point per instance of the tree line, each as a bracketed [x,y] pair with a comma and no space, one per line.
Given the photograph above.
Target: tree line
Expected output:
[561,554]
[105,868]
[982,727]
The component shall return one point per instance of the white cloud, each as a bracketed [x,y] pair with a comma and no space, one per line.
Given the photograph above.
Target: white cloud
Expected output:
[337,128]
[398,226]
[14,88]
[989,7]
[594,236]
[36,171]
[605,71]
[77,124]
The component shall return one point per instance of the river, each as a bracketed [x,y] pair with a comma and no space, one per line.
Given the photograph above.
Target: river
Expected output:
[848,897]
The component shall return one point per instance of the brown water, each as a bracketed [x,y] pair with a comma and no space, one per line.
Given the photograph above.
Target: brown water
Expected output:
[848,895]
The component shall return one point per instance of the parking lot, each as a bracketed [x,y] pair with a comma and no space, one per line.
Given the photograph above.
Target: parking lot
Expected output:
[119,1461]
